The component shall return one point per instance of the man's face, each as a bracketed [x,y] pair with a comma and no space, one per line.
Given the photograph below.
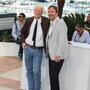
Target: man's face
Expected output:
[88,18]
[20,18]
[79,29]
[38,12]
[52,14]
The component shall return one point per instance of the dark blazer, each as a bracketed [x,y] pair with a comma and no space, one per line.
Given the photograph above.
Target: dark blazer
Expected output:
[45,22]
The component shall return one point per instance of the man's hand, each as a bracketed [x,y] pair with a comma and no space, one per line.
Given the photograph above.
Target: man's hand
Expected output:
[57,58]
[69,42]
[24,45]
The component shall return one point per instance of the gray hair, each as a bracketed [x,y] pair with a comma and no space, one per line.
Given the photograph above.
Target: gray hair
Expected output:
[39,6]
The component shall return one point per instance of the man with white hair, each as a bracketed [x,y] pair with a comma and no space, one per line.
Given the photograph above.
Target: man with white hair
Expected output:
[33,39]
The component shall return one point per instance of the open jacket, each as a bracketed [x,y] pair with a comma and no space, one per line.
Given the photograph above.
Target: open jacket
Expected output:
[26,29]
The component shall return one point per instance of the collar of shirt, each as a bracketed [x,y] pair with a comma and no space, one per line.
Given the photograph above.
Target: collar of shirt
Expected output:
[19,24]
[51,26]
[53,22]
[39,20]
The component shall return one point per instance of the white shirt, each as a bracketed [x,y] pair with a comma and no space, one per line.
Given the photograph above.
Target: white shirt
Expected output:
[39,34]
[84,38]
[51,26]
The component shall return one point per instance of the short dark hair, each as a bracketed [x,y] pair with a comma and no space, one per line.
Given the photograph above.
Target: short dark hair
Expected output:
[54,7]
[22,15]
[80,25]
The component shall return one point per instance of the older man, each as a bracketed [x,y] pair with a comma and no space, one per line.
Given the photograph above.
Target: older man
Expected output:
[33,41]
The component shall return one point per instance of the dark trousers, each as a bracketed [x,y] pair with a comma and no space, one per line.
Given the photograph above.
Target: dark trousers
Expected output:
[54,69]
[20,53]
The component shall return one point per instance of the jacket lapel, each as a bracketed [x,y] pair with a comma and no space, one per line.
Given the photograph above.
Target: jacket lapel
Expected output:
[54,27]
[30,22]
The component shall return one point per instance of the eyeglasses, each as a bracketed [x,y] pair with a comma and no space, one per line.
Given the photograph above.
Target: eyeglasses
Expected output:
[20,17]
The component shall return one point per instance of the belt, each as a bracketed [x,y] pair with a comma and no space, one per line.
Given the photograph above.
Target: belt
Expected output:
[34,47]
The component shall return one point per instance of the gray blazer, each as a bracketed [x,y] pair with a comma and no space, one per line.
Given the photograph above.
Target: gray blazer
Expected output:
[57,39]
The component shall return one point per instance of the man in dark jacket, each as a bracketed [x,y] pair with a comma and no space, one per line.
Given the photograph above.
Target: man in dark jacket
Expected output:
[33,39]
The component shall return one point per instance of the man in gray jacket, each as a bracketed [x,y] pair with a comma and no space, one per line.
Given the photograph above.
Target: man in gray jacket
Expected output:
[56,45]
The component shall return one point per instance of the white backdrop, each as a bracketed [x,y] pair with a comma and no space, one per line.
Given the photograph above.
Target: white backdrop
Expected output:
[8,49]
[75,73]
